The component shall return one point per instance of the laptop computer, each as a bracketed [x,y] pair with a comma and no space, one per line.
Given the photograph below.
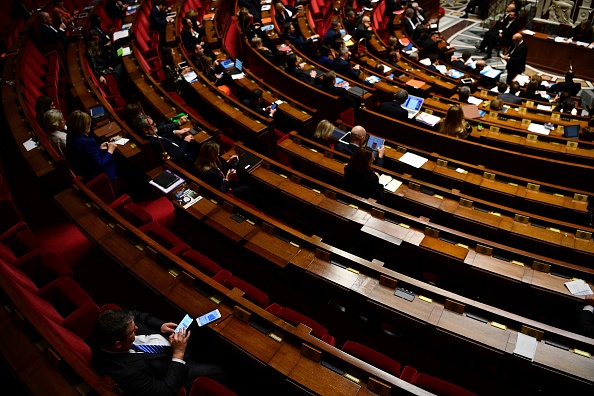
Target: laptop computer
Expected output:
[571,131]
[413,105]
[98,113]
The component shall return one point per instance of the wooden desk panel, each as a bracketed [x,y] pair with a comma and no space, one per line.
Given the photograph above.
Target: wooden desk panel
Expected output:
[504,188]
[445,248]
[221,221]
[477,216]
[422,198]
[119,247]
[417,310]
[564,362]
[392,232]
[251,341]
[304,194]
[477,332]
[333,273]
[498,267]
[341,210]
[272,248]
[541,234]
[151,273]
[551,283]
[188,300]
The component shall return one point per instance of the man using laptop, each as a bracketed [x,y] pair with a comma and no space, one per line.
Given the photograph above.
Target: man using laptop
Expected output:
[394,108]
[358,135]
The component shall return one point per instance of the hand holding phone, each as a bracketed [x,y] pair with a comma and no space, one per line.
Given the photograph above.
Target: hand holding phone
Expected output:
[184,324]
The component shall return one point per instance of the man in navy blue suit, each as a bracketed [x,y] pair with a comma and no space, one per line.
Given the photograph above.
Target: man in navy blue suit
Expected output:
[394,108]
[342,65]
[158,19]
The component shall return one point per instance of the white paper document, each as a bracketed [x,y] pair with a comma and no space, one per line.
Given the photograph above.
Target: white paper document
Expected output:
[428,119]
[474,101]
[413,160]
[266,7]
[170,188]
[526,346]
[30,144]
[528,32]
[237,76]
[544,107]
[122,141]
[578,287]
[121,34]
[538,128]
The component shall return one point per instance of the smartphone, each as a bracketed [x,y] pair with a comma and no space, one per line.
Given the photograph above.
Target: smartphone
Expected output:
[273,106]
[207,318]
[185,323]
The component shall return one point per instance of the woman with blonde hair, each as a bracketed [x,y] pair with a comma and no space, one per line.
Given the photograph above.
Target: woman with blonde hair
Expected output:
[217,174]
[323,133]
[454,123]
[54,124]
[496,104]
[87,158]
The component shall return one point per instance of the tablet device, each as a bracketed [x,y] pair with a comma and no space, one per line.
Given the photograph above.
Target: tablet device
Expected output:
[182,65]
[374,142]
[273,106]
[571,131]
[208,318]
[185,323]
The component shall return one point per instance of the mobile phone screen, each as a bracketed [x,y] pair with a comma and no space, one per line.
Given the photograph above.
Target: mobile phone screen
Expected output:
[185,323]
[274,105]
[209,317]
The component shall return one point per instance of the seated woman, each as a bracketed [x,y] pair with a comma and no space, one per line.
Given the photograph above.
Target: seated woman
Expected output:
[103,60]
[286,15]
[87,158]
[496,104]
[323,133]
[256,43]
[359,177]
[530,92]
[61,14]
[221,176]
[174,77]
[215,72]
[454,123]
[55,125]
[42,104]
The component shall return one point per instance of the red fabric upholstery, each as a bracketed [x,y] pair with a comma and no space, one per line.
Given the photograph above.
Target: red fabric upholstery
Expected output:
[201,262]
[232,38]
[221,276]
[204,386]
[74,342]
[161,235]
[252,293]
[372,357]
[439,386]
[294,318]
[348,116]
[136,215]
[15,276]
[101,186]
[119,204]
[43,268]
[10,220]
[274,308]
[408,374]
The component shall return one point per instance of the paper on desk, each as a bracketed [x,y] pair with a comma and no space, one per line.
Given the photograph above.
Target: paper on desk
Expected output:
[238,76]
[528,32]
[385,179]
[583,44]
[122,141]
[393,185]
[124,51]
[425,61]
[560,39]
[266,7]
[413,160]
[121,34]
[544,107]
[428,119]
[538,128]
[30,144]
[386,68]
[474,101]
[578,287]
[441,68]
[526,346]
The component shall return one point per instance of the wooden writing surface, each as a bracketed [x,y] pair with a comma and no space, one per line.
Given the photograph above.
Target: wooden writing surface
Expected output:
[475,331]
[120,247]
[551,283]
[444,248]
[540,196]
[303,258]
[341,210]
[417,310]
[201,208]
[302,193]
[499,267]
[188,300]
[564,362]
[333,273]
[498,186]
[387,228]
[221,221]
[152,273]
[268,177]
[251,341]
[584,245]
[272,248]
[542,234]
[451,173]
[477,216]
[425,199]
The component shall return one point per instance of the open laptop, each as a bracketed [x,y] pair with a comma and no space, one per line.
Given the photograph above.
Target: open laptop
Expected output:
[98,113]
[571,131]
[413,105]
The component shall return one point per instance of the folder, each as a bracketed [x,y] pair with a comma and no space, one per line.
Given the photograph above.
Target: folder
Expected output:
[471,111]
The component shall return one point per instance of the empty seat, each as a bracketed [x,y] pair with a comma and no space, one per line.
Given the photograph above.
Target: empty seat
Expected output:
[202,263]
[204,386]
[433,384]
[136,215]
[252,293]
[372,357]
[165,238]
[294,318]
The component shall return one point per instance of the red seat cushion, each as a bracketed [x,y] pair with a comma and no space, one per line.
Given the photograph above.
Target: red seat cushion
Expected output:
[252,293]
[439,386]
[372,357]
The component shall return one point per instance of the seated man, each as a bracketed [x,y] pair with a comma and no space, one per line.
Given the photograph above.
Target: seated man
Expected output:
[464,94]
[394,108]
[328,85]
[433,64]
[350,22]
[567,106]
[460,63]
[501,33]
[296,38]
[568,86]
[586,319]
[120,338]
[48,34]
[165,137]
[431,47]
[363,31]
[342,64]
[408,23]
[511,96]
[358,135]
[295,68]
[422,32]
[333,36]
[254,102]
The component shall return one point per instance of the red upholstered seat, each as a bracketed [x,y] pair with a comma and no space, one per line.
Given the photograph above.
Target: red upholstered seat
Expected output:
[101,186]
[204,386]
[74,342]
[294,318]
[221,276]
[43,267]
[252,293]
[439,386]
[10,219]
[372,357]
[201,262]
[163,236]
[408,374]
[136,215]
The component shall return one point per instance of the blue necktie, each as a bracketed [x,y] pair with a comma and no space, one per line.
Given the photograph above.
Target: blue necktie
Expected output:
[147,348]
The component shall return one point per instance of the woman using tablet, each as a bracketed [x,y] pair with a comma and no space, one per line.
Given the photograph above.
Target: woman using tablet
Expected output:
[359,177]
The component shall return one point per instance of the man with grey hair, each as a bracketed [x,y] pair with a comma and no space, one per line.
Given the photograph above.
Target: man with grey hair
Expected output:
[409,23]
[342,64]
[364,29]
[464,94]
[165,137]
[47,33]
[394,108]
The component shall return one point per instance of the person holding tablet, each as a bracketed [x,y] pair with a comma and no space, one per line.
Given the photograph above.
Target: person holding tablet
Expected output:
[359,177]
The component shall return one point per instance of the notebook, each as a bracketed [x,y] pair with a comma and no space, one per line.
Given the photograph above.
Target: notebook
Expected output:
[571,131]
[98,113]
[248,161]
[166,179]
[413,105]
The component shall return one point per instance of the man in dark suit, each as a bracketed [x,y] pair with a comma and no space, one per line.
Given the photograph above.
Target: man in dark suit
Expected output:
[328,85]
[408,23]
[394,108]
[333,36]
[342,65]
[511,96]
[430,46]
[350,22]
[158,19]
[254,102]
[460,63]
[48,34]
[568,86]
[501,33]
[295,68]
[358,135]
[516,58]
[364,30]
[586,318]
[119,337]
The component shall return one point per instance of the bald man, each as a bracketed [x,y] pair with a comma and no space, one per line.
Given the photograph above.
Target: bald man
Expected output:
[516,58]
[364,29]
[358,135]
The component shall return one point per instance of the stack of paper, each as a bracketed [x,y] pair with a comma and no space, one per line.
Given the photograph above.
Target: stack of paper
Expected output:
[191,76]
[390,183]
[474,101]
[528,32]
[428,119]
[538,128]
[578,287]
[266,7]
[413,160]
[121,34]
[526,346]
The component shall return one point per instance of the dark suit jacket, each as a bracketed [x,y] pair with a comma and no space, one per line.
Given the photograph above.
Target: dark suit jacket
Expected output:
[189,40]
[586,323]
[573,88]
[517,59]
[393,109]
[510,98]
[409,27]
[257,108]
[345,99]
[433,68]
[157,20]
[143,374]
[216,179]
[459,64]
[429,47]
[87,159]
[332,39]
[391,6]
[177,148]
[348,26]
[343,67]
[362,32]
[50,35]
[364,184]
[300,74]
[531,95]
